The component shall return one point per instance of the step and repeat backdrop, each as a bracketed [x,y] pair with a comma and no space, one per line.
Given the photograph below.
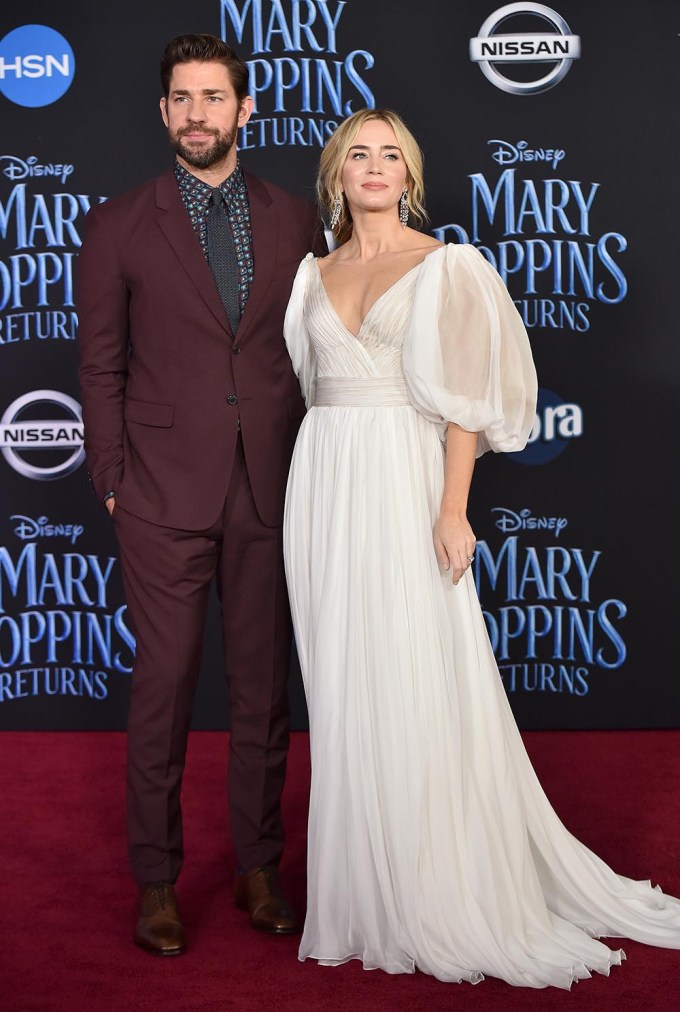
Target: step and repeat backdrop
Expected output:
[550,135]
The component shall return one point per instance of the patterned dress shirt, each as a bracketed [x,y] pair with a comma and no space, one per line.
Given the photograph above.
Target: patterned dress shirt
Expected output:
[196,196]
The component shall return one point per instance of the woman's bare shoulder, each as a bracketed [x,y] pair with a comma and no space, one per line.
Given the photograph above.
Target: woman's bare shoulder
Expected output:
[426,243]
[337,258]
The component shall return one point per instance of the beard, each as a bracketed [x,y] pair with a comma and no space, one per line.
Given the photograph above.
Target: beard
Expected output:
[204,157]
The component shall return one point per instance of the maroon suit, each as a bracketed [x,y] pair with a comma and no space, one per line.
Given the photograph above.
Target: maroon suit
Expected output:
[193,428]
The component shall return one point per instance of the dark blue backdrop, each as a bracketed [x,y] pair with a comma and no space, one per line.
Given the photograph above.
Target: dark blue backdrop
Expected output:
[557,158]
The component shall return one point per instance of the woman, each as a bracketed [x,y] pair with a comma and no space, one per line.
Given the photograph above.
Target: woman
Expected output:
[431,843]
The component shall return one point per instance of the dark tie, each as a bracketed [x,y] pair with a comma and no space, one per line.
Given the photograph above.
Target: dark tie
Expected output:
[222,257]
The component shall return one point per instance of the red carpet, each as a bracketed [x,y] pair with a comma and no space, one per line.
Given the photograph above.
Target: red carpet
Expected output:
[67,903]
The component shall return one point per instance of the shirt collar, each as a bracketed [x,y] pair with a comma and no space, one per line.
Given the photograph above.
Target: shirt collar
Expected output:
[233,186]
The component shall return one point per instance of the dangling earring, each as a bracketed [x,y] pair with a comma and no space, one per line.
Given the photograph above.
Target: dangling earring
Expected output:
[403,209]
[335,214]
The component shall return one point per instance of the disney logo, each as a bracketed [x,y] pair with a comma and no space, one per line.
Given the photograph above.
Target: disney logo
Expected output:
[508,154]
[509,521]
[15,168]
[28,529]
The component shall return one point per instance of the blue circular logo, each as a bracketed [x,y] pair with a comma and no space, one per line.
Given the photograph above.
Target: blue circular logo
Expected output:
[556,424]
[36,66]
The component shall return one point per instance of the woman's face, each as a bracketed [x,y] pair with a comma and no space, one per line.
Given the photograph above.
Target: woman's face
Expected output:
[374,174]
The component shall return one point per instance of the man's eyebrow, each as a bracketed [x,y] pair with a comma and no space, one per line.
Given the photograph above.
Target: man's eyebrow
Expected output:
[204,91]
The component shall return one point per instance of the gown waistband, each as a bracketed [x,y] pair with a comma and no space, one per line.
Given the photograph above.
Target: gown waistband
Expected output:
[344,391]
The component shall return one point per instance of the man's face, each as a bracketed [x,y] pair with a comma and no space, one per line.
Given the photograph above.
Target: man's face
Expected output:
[202,113]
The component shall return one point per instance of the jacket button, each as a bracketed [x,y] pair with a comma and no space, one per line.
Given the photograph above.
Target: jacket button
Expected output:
[236,349]
[232,399]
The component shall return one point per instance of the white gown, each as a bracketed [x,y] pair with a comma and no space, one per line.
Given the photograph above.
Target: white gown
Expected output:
[431,842]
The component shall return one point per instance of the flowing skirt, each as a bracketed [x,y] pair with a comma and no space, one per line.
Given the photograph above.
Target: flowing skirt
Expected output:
[431,842]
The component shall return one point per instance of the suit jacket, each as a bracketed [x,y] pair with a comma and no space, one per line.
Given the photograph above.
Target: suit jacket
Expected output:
[164,381]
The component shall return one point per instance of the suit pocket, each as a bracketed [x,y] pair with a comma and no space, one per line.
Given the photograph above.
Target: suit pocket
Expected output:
[145,413]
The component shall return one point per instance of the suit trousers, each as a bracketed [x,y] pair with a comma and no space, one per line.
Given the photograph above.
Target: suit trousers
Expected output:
[167,575]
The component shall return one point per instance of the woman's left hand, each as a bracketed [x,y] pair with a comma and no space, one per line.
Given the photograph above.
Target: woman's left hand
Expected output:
[454,544]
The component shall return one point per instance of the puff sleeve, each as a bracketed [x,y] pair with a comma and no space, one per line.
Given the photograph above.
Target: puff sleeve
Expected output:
[296,334]
[467,357]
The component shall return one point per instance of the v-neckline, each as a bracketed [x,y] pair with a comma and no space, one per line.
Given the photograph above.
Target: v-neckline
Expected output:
[375,303]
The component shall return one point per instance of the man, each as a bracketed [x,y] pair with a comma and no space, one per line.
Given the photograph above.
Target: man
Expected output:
[191,410]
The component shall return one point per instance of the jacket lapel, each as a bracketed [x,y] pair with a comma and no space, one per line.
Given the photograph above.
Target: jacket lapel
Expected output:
[264,222]
[177,228]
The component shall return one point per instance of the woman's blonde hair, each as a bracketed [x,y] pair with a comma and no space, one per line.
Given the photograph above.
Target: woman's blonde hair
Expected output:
[333,158]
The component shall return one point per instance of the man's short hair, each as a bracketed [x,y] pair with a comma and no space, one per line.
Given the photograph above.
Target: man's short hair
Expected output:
[204,49]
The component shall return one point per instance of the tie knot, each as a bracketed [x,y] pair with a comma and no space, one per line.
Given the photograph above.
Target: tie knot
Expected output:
[217,199]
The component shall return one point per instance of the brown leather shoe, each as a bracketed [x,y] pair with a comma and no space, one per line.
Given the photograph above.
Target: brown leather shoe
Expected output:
[258,891]
[159,928]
